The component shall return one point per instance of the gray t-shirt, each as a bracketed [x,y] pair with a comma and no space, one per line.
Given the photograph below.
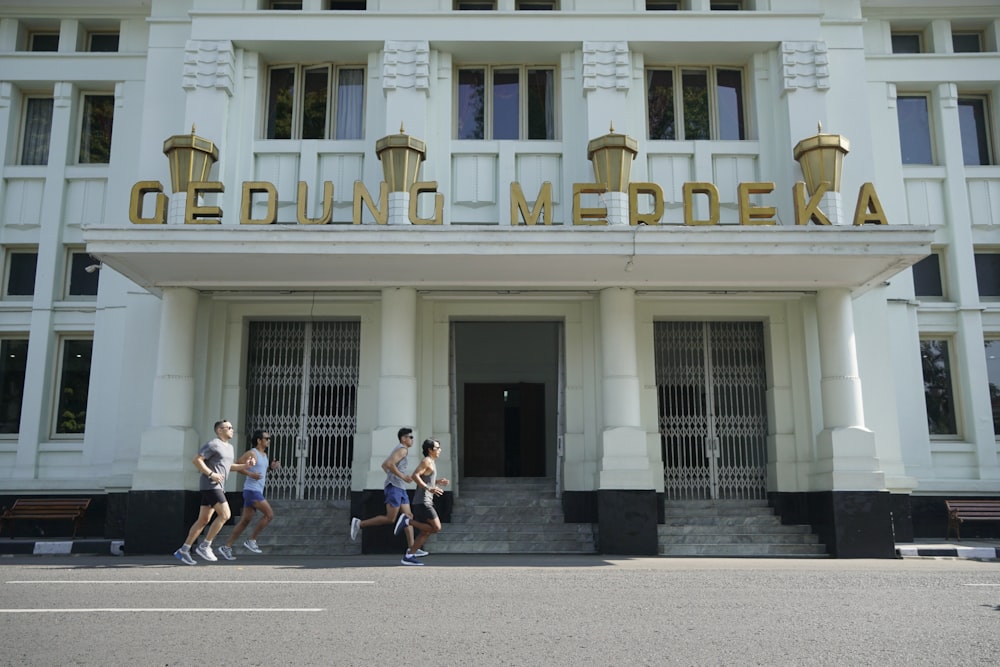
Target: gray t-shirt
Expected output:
[218,457]
[393,480]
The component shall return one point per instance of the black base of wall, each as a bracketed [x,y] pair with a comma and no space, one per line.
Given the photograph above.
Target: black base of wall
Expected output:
[852,524]
[379,539]
[902,517]
[627,522]
[158,521]
[930,519]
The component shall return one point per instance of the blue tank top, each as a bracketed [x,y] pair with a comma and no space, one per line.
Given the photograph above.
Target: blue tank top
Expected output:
[261,469]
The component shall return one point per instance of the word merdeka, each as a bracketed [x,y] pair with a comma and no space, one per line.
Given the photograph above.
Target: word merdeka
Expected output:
[807,208]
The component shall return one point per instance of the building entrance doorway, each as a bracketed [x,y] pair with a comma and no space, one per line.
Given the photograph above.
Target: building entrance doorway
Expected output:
[301,387]
[507,392]
[710,385]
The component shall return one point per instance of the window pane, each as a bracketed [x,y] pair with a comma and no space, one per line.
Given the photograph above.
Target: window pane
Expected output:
[81,281]
[694,87]
[13,362]
[280,94]
[988,274]
[21,273]
[73,386]
[350,103]
[471,103]
[914,130]
[44,41]
[972,120]
[317,84]
[966,42]
[937,387]
[541,114]
[906,43]
[993,375]
[927,276]
[662,6]
[37,128]
[95,133]
[730,94]
[506,103]
[660,104]
[104,42]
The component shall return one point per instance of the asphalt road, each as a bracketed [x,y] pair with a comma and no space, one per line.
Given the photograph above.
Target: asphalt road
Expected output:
[498,610]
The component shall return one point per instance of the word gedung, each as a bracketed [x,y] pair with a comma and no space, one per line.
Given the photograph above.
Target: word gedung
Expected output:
[868,209]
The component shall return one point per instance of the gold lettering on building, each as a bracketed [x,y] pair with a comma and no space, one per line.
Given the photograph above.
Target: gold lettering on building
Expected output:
[518,204]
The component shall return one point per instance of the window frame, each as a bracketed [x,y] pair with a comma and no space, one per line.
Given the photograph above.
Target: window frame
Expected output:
[5,399]
[952,390]
[911,34]
[59,387]
[939,266]
[664,6]
[82,118]
[552,5]
[994,254]
[333,71]
[523,107]
[474,6]
[931,143]
[988,339]
[7,266]
[712,81]
[30,40]
[75,256]
[26,100]
[271,5]
[977,34]
[101,34]
[985,138]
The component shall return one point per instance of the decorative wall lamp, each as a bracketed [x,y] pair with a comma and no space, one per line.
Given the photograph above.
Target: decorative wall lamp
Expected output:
[401,156]
[191,158]
[612,155]
[821,157]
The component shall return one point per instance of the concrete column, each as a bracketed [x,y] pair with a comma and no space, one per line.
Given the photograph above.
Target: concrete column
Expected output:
[845,449]
[167,446]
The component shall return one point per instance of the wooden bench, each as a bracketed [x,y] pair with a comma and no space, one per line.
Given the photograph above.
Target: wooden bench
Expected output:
[970,510]
[46,509]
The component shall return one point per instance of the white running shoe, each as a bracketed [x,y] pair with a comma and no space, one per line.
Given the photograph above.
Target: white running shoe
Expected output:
[252,546]
[205,552]
[420,553]
[355,528]
[226,552]
[185,557]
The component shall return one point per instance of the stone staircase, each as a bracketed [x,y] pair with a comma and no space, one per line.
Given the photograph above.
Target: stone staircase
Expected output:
[730,528]
[302,528]
[510,515]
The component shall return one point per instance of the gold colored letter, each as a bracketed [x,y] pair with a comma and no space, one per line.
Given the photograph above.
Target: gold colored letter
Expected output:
[806,212]
[755,215]
[140,190]
[519,204]
[593,216]
[380,212]
[636,189]
[202,215]
[869,208]
[710,191]
[251,188]
[415,191]
[303,196]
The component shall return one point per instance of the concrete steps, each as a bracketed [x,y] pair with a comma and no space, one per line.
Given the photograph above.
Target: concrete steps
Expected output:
[302,528]
[727,528]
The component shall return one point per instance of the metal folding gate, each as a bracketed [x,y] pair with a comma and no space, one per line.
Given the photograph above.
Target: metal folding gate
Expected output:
[302,386]
[710,383]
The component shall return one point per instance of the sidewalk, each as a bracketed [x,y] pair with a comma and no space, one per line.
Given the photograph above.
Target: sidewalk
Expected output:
[979,548]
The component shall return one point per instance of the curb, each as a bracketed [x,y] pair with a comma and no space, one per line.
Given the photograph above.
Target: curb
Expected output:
[63,548]
[981,553]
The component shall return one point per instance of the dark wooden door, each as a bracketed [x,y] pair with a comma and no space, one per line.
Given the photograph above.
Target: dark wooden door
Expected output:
[504,434]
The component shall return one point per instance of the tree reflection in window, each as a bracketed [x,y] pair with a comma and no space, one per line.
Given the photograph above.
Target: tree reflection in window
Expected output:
[74,382]
[938,392]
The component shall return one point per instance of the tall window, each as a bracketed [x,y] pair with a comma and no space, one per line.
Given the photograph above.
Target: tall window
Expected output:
[695,103]
[95,129]
[19,274]
[927,277]
[510,102]
[914,129]
[37,130]
[938,392]
[993,376]
[973,119]
[13,362]
[74,382]
[82,275]
[988,273]
[315,102]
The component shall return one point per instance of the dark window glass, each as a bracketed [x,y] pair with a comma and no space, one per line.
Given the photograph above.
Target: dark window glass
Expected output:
[95,133]
[660,101]
[21,273]
[506,103]
[973,119]
[966,42]
[525,6]
[74,383]
[13,362]
[471,103]
[914,130]
[37,131]
[285,4]
[730,93]
[938,393]
[475,6]
[906,42]
[541,114]
[81,281]
[104,42]
[44,41]
[927,276]
[281,92]
[657,6]
[726,6]
[694,87]
[345,5]
[988,273]
[993,375]
[314,106]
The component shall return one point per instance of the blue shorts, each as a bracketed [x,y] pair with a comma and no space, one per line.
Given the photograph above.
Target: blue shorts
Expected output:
[395,496]
[251,497]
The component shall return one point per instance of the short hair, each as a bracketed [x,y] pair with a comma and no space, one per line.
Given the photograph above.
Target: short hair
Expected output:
[219,424]
[257,435]
[403,432]
[428,445]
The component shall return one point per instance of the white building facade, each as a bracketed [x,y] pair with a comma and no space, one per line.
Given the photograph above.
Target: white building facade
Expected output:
[699,326]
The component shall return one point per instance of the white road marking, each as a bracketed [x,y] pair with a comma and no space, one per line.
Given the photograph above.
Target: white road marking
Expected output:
[158,609]
[180,581]
[981,584]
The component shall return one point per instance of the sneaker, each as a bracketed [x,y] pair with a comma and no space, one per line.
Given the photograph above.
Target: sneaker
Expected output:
[185,557]
[402,522]
[251,545]
[226,552]
[205,552]
[355,528]
[410,559]
[419,553]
